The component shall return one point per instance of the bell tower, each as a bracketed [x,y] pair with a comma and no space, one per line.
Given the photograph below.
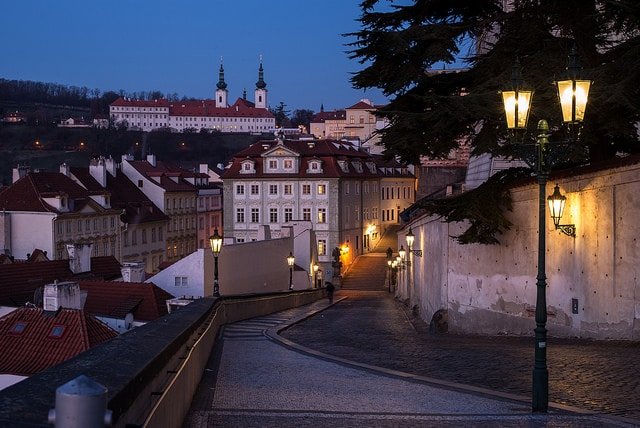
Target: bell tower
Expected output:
[221,93]
[261,89]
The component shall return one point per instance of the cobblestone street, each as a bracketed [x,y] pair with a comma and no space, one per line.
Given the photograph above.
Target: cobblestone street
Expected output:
[373,328]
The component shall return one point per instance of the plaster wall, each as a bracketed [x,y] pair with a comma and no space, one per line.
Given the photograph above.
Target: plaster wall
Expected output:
[31,230]
[592,279]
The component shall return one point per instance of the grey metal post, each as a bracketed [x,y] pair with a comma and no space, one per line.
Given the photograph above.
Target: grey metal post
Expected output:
[81,403]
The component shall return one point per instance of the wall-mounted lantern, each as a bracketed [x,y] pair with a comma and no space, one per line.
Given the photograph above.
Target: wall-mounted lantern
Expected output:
[557,202]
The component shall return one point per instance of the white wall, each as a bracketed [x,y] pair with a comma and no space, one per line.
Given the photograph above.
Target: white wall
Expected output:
[491,289]
[30,231]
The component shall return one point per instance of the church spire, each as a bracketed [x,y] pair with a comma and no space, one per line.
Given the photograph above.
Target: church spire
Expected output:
[221,83]
[261,84]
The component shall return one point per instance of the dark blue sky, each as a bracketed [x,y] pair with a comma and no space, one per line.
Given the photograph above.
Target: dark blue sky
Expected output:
[175,46]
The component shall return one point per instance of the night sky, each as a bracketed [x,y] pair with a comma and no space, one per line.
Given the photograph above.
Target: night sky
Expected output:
[176,46]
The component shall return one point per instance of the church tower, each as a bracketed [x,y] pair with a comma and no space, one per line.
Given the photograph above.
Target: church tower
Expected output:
[261,89]
[221,93]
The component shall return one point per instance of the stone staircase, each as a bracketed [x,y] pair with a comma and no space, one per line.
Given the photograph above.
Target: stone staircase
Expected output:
[368,273]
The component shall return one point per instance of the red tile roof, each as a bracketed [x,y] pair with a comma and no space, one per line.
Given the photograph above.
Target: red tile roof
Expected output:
[329,115]
[28,343]
[128,102]
[331,153]
[146,301]
[28,193]
[124,195]
[19,281]
[361,105]
[166,170]
[241,108]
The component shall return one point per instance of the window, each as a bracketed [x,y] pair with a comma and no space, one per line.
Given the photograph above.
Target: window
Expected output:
[255,215]
[306,214]
[134,237]
[357,185]
[18,327]
[255,189]
[273,215]
[181,281]
[306,189]
[239,215]
[125,236]
[287,189]
[288,214]
[68,223]
[153,234]
[239,189]
[273,164]
[322,247]
[322,189]
[79,225]
[273,189]
[160,235]
[56,331]
[87,225]
[346,188]
[139,183]
[288,164]
[144,236]
[322,215]
[113,222]
[240,240]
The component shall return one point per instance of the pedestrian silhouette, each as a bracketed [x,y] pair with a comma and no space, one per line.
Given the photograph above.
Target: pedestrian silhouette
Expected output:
[330,289]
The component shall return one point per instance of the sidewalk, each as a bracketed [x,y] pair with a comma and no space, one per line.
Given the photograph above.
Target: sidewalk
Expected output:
[253,380]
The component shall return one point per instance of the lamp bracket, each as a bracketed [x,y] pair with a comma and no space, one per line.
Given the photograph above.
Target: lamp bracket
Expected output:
[567,229]
[416,252]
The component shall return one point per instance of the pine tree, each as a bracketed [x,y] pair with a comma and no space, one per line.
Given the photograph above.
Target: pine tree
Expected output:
[431,112]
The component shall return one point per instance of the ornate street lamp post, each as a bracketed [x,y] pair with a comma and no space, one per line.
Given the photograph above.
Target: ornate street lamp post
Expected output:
[216,245]
[290,261]
[573,95]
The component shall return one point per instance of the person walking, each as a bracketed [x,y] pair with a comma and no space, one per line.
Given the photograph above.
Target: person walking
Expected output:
[330,289]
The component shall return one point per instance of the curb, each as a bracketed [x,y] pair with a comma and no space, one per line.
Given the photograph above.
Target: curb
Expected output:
[273,333]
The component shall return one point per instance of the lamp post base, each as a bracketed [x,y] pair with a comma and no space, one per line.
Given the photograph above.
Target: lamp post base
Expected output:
[540,397]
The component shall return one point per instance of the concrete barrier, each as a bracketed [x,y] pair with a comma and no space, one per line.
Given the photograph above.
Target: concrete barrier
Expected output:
[151,373]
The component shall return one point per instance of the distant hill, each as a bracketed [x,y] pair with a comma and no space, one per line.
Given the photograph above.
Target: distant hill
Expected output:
[46,147]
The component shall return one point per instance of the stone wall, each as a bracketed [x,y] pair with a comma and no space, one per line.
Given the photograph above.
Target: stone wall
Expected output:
[592,279]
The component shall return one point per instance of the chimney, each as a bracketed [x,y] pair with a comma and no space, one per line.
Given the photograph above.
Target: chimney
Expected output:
[132,272]
[152,160]
[111,166]
[19,172]
[127,157]
[79,257]
[65,294]
[64,169]
[98,170]
[204,168]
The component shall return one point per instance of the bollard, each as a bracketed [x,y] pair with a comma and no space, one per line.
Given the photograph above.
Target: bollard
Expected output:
[80,403]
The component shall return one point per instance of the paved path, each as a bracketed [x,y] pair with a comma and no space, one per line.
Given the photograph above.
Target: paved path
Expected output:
[373,328]
[256,378]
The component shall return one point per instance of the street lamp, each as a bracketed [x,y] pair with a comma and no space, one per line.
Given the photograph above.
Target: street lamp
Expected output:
[389,263]
[216,244]
[556,208]
[290,260]
[573,98]
[410,240]
[315,275]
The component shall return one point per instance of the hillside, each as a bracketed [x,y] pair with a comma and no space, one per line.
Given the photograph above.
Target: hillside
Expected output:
[46,147]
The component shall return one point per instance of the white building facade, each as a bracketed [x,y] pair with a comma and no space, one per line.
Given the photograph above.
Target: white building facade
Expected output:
[198,115]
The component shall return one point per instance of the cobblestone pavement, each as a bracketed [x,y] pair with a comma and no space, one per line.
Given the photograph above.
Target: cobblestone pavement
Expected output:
[373,328]
[252,380]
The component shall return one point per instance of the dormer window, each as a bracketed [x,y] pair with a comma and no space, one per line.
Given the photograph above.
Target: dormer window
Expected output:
[343,166]
[273,164]
[358,166]
[288,164]
[315,166]
[248,167]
